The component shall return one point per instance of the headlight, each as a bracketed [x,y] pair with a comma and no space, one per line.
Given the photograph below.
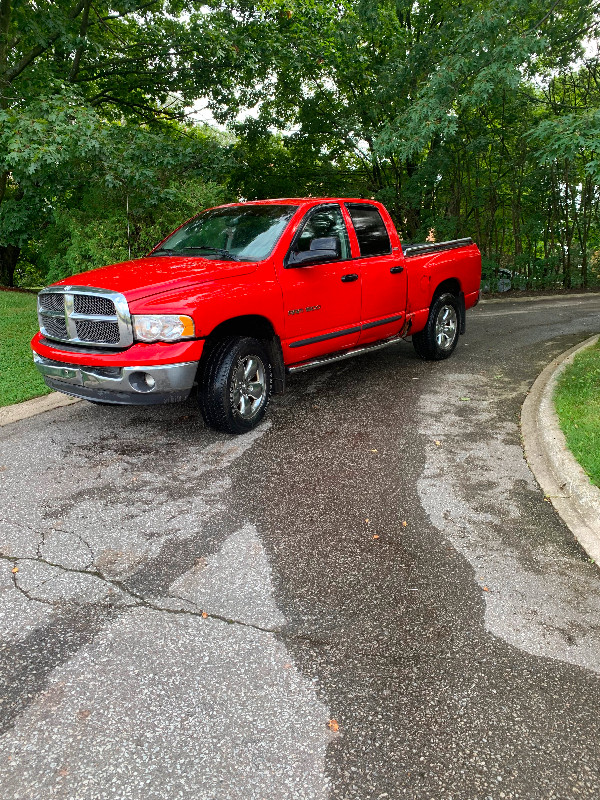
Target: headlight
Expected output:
[162,327]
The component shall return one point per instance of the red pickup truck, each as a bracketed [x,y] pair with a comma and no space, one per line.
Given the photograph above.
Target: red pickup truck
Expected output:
[243,295]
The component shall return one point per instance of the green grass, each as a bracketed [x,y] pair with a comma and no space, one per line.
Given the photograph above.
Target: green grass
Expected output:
[577,402]
[19,379]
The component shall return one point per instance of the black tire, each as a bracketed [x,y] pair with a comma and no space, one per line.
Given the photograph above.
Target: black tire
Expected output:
[229,399]
[439,337]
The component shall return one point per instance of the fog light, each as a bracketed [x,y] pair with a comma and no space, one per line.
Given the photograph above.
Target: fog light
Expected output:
[142,381]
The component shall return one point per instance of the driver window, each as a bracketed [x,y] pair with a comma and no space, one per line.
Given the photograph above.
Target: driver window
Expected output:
[325,223]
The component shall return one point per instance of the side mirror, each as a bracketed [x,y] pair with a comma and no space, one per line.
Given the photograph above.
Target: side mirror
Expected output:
[328,248]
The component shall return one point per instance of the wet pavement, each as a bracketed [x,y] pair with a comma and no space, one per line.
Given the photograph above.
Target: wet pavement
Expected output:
[190,610]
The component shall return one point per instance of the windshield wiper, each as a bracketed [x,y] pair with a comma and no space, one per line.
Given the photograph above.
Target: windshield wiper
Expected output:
[174,251]
[219,251]
[164,251]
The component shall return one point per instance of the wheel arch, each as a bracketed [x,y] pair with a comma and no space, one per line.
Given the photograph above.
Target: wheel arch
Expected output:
[452,286]
[257,327]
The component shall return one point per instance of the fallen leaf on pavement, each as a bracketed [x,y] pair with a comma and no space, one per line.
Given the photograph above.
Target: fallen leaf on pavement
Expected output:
[376,536]
[204,615]
[404,523]
[438,443]
[15,569]
[333,725]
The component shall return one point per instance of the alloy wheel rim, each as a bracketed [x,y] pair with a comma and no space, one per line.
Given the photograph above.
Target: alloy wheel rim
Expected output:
[248,387]
[446,326]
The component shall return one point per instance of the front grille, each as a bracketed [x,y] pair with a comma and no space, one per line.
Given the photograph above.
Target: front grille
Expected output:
[86,316]
[56,327]
[93,306]
[53,302]
[101,332]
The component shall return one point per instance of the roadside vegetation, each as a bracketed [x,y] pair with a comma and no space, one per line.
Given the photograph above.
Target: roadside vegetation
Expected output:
[577,402]
[18,323]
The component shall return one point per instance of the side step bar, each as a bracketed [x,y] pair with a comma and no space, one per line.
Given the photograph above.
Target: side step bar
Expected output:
[342,354]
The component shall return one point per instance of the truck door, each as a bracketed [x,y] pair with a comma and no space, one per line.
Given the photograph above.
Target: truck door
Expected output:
[321,294]
[384,278]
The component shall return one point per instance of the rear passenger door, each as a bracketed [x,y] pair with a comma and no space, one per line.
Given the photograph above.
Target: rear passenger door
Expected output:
[384,279]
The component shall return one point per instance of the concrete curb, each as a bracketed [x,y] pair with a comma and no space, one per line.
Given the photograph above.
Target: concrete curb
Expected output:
[30,408]
[562,479]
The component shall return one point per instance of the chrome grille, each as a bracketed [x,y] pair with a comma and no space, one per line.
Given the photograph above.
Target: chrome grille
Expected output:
[85,315]
[53,302]
[105,332]
[56,327]
[93,306]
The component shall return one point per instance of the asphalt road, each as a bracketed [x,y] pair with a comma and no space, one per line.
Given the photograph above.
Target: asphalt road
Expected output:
[191,609]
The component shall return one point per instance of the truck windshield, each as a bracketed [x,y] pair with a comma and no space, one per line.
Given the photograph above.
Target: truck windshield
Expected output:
[239,233]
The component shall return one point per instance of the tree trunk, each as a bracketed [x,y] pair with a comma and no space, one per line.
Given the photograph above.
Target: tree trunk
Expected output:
[9,255]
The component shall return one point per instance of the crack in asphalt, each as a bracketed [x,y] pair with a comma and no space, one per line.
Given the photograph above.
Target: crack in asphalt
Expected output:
[140,600]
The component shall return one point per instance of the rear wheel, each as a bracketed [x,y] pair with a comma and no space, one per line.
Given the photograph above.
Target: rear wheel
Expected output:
[236,388]
[439,337]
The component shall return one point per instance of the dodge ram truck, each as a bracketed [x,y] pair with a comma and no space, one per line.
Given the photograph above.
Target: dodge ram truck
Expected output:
[242,296]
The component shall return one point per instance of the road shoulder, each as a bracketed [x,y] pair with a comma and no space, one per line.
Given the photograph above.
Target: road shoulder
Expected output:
[30,408]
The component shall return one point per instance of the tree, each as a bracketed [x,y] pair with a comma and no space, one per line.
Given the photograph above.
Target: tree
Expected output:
[568,139]
[70,67]
[388,81]
[430,105]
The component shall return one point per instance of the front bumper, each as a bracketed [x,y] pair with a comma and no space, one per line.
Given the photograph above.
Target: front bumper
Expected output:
[138,385]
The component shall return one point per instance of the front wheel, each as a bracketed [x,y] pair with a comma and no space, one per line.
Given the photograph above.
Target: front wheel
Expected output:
[236,387]
[439,337]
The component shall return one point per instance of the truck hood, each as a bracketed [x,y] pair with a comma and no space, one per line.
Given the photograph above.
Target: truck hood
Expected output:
[143,277]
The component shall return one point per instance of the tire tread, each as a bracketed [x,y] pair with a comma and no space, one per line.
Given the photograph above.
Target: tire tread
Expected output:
[424,341]
[213,390]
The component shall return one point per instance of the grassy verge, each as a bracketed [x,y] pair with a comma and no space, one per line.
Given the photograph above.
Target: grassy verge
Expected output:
[19,379]
[577,402]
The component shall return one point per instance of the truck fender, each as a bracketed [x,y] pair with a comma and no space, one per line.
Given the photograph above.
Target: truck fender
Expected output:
[255,326]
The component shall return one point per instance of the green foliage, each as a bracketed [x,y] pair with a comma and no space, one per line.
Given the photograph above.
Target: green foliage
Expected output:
[455,116]
[577,402]
[479,118]
[91,229]
[73,176]
[88,93]
[268,165]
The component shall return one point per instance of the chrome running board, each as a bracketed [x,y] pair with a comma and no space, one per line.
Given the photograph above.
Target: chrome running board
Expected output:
[342,354]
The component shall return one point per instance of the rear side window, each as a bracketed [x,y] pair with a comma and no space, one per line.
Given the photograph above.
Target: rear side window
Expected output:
[371,232]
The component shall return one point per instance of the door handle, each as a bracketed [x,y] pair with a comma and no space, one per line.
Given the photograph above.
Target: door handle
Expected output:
[396,270]
[349,277]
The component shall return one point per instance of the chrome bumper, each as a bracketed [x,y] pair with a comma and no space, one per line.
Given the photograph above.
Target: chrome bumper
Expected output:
[144,385]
